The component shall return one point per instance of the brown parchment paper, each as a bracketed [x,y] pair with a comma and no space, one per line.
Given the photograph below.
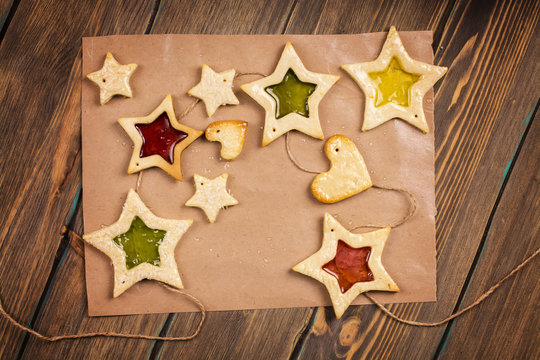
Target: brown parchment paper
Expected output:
[244,260]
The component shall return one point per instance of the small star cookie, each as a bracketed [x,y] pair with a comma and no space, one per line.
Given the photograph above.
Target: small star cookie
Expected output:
[348,264]
[211,195]
[159,140]
[112,79]
[348,174]
[290,97]
[394,85]
[215,89]
[231,134]
[140,245]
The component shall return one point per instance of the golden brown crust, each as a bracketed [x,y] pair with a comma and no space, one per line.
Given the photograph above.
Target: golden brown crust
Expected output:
[138,163]
[334,231]
[231,134]
[166,272]
[310,125]
[414,113]
[348,174]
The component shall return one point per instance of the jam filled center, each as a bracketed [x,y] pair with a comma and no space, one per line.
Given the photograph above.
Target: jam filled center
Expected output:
[160,138]
[291,95]
[140,243]
[394,84]
[349,266]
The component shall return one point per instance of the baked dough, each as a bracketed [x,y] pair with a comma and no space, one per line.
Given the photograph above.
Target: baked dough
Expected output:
[309,125]
[166,272]
[427,75]
[215,89]
[211,195]
[138,162]
[348,174]
[334,232]
[112,79]
[231,134]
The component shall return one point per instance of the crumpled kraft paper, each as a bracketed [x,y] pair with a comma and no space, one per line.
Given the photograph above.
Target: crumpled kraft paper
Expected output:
[244,259]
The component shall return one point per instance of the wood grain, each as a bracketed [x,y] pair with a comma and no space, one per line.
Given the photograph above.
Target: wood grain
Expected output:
[239,335]
[40,94]
[480,107]
[506,325]
[474,141]
[5,7]
[221,17]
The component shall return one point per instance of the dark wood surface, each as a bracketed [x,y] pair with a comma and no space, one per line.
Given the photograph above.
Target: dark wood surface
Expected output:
[487,183]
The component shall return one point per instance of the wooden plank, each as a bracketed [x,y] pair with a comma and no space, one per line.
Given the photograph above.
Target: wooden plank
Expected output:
[352,17]
[272,338]
[485,46]
[40,163]
[233,334]
[5,7]
[506,325]
[221,17]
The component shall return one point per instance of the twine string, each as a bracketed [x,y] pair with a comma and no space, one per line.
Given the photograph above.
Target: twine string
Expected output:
[410,197]
[293,159]
[39,335]
[240,74]
[477,302]
[387,312]
[410,212]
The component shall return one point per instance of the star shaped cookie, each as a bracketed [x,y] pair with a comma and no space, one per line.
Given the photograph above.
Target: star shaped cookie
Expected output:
[140,245]
[211,195]
[348,264]
[394,85]
[215,89]
[112,79]
[159,140]
[290,97]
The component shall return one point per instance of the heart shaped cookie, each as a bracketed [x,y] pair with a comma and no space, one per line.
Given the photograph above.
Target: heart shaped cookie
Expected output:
[348,174]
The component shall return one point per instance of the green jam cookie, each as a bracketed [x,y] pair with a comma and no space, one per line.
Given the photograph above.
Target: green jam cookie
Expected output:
[140,243]
[291,95]
[393,84]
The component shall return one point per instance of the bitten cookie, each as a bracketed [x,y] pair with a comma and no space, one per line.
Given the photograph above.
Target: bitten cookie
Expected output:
[231,134]
[348,174]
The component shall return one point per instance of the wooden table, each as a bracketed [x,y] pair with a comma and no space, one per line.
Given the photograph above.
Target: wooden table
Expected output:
[487,183]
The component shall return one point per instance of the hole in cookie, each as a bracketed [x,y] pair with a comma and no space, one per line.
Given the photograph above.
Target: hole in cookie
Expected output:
[332,230]
[274,130]
[104,80]
[218,130]
[202,183]
[337,149]
[137,164]
[224,80]
[415,115]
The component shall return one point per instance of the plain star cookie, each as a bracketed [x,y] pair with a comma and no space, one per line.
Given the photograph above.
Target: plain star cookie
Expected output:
[348,264]
[290,97]
[112,79]
[348,174]
[215,89]
[159,140]
[140,245]
[211,195]
[394,85]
